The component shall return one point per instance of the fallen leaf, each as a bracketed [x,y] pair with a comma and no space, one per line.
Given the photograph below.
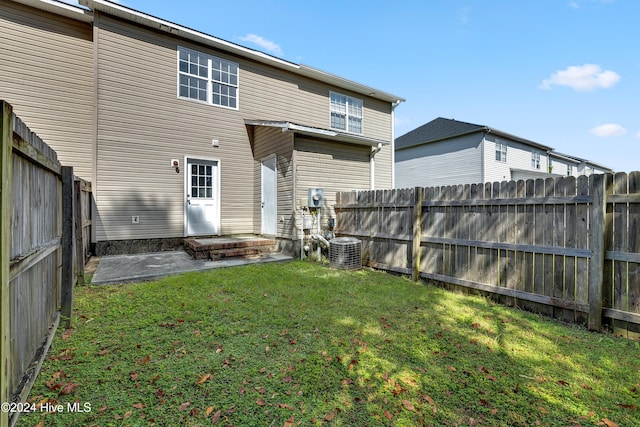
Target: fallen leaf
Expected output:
[134,376]
[451,368]
[66,335]
[475,325]
[145,359]
[103,352]
[407,404]
[69,388]
[204,378]
[216,417]
[184,406]
[261,402]
[329,417]
[586,386]
[563,383]
[289,422]
[128,414]
[285,406]
[632,407]
[609,423]
[491,378]
[40,424]
[388,415]
[208,411]
[261,390]
[139,405]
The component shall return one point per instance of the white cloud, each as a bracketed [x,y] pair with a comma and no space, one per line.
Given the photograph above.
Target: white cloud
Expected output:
[265,44]
[582,78]
[609,129]
[575,4]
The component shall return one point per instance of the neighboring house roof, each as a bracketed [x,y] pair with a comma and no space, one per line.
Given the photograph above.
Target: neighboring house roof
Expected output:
[440,129]
[578,160]
[162,25]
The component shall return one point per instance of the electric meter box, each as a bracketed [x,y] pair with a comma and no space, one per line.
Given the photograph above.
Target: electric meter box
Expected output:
[315,197]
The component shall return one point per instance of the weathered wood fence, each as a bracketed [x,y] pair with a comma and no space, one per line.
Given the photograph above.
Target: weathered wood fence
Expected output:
[567,247]
[40,221]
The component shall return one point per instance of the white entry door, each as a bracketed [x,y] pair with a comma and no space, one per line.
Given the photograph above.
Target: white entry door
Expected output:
[202,197]
[269,196]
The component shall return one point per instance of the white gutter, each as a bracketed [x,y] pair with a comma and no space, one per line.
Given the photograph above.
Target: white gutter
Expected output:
[60,8]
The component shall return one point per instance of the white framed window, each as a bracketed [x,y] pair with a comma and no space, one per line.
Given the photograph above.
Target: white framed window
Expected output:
[346,113]
[207,78]
[569,170]
[501,151]
[535,160]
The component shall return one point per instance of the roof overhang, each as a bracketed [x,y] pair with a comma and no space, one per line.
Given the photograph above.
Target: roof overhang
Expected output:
[60,8]
[174,29]
[329,134]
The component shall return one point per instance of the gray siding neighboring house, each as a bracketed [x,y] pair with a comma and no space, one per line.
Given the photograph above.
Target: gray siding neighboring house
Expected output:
[451,152]
[155,92]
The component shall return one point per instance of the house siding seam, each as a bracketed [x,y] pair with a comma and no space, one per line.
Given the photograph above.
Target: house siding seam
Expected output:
[54,96]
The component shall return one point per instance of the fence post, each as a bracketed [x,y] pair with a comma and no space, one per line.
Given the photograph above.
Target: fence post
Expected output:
[596,238]
[68,241]
[6,153]
[79,230]
[418,198]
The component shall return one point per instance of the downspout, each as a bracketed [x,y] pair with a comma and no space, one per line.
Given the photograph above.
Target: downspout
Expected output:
[483,155]
[372,166]
[394,105]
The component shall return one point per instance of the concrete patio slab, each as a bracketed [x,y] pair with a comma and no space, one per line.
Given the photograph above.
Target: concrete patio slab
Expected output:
[140,267]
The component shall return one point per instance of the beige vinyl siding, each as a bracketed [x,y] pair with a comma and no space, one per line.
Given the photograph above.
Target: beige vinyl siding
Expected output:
[268,141]
[142,125]
[46,64]
[383,170]
[449,162]
[331,166]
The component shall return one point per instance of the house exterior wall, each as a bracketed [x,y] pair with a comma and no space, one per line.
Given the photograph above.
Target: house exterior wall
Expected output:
[518,157]
[331,166]
[142,124]
[448,162]
[268,141]
[46,64]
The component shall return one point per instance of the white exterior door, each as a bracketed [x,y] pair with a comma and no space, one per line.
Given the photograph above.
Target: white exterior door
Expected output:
[202,203]
[269,196]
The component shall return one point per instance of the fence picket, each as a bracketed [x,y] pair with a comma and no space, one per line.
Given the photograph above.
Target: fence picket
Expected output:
[538,243]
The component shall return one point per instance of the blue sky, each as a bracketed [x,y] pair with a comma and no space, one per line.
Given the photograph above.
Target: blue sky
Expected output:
[564,73]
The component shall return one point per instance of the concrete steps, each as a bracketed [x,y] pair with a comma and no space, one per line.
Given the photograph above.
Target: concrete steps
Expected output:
[219,248]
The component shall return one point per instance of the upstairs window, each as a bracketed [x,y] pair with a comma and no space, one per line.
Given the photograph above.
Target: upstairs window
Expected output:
[501,151]
[346,113]
[207,78]
[569,170]
[535,160]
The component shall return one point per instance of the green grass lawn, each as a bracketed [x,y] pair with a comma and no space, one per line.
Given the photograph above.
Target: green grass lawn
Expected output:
[303,344]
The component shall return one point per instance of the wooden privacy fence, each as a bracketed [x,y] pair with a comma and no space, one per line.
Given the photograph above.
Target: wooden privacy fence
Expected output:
[567,247]
[38,252]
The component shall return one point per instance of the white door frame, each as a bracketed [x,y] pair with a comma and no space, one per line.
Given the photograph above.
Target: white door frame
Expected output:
[263,229]
[216,189]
